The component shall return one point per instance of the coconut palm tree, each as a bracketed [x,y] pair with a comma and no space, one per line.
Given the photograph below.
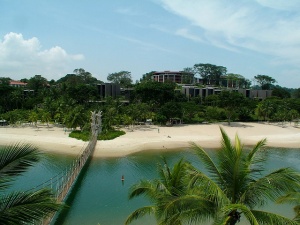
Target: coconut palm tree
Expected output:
[22,207]
[292,198]
[171,184]
[237,184]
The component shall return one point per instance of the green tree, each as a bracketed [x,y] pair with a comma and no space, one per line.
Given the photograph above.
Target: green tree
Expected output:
[296,93]
[6,103]
[22,207]
[231,102]
[109,118]
[76,118]
[213,114]
[171,110]
[33,117]
[147,76]
[211,74]
[46,117]
[82,93]
[265,81]
[37,83]
[292,198]
[155,92]
[188,75]
[281,92]
[237,184]
[237,81]
[171,184]
[123,78]
[85,76]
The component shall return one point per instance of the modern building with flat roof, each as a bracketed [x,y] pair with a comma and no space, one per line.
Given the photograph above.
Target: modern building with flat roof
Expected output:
[179,77]
[194,91]
[108,90]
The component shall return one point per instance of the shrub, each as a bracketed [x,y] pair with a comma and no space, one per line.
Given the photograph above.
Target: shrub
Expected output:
[85,135]
[111,134]
[80,135]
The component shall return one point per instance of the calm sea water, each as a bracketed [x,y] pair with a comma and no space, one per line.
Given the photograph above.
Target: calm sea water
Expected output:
[100,197]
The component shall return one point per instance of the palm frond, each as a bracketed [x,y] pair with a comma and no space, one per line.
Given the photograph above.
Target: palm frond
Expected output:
[204,184]
[291,197]
[238,145]
[236,209]
[140,213]
[173,179]
[271,186]
[16,159]
[232,167]
[226,143]
[193,202]
[267,218]
[259,145]
[20,207]
[207,161]
[144,187]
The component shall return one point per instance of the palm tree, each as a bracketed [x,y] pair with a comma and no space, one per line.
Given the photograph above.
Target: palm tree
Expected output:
[292,198]
[77,117]
[171,184]
[235,184]
[22,207]
[33,117]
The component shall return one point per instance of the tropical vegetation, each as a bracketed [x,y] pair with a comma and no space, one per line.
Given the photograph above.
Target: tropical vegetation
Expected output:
[233,187]
[18,207]
[68,101]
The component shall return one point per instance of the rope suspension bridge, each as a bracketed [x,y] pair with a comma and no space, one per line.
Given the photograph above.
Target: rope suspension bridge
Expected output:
[62,183]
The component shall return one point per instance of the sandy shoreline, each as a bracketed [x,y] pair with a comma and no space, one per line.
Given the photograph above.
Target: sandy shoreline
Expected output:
[55,139]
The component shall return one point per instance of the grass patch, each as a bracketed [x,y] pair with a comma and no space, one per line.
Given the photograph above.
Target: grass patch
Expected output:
[107,135]
[80,135]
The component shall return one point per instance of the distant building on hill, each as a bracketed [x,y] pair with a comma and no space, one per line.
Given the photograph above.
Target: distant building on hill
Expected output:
[179,77]
[15,83]
[108,90]
[194,91]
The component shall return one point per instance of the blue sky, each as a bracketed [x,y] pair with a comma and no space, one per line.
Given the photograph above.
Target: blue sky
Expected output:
[52,38]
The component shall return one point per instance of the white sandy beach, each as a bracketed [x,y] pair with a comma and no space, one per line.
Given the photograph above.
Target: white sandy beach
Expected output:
[152,137]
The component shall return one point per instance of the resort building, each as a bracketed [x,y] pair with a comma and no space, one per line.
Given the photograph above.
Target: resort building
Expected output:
[108,90]
[15,83]
[194,91]
[179,77]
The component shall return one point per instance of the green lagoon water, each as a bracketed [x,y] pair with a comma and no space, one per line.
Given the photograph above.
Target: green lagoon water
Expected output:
[100,197]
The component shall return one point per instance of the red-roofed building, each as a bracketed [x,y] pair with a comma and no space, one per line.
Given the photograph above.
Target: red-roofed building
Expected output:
[15,83]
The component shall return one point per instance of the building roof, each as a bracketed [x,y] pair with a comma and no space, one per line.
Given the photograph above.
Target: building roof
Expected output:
[15,82]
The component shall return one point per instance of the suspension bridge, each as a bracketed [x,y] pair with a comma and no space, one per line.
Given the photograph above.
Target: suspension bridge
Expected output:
[62,183]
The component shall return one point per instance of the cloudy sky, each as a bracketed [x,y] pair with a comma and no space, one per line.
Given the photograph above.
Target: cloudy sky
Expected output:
[52,38]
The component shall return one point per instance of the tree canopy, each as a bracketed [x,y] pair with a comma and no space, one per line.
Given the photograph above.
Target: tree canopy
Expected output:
[264,81]
[123,78]
[211,74]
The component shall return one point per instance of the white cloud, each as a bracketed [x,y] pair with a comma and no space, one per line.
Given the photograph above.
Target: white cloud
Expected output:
[289,5]
[186,33]
[21,58]
[264,26]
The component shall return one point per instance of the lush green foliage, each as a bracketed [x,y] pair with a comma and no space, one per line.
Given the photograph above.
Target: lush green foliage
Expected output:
[22,207]
[265,81]
[80,135]
[69,101]
[234,185]
[123,78]
[109,135]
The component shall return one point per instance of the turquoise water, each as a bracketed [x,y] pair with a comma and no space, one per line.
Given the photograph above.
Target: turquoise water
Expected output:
[100,197]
